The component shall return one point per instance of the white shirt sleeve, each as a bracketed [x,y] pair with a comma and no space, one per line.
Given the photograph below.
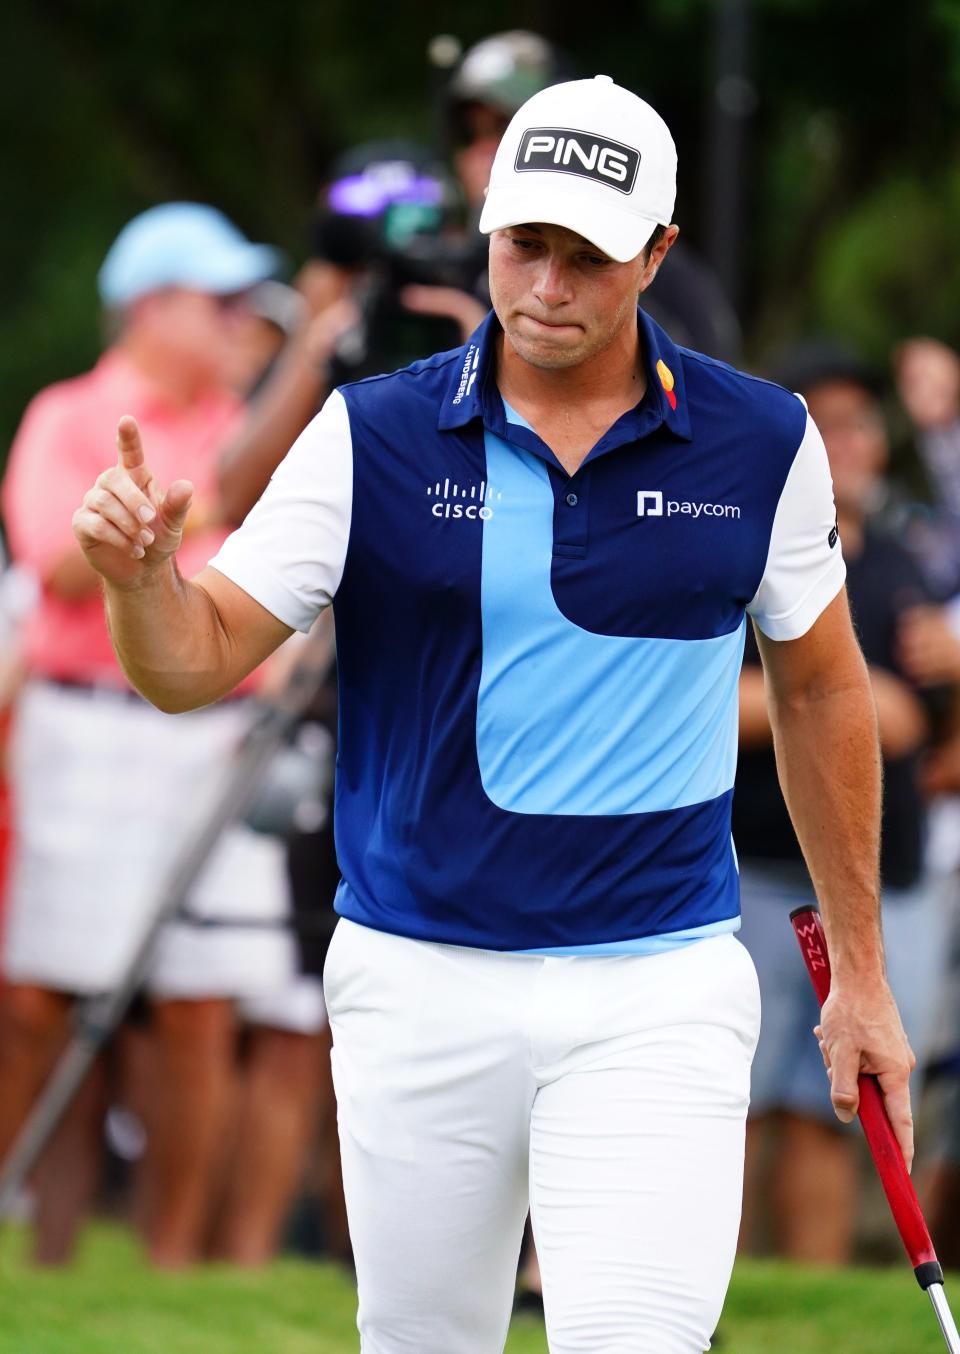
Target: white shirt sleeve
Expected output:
[805,568]
[289,554]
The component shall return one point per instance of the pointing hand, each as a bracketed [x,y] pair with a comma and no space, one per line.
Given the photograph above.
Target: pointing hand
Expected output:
[127,526]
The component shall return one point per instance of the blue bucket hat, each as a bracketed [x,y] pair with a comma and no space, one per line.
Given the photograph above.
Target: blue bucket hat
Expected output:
[182,244]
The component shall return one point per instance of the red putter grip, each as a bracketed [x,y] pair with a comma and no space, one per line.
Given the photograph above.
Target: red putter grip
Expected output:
[877,1130]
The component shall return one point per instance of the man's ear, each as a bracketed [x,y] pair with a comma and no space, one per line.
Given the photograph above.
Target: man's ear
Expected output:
[657,254]
[660,250]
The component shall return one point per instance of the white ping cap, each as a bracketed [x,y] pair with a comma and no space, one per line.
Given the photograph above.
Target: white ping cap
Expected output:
[590,156]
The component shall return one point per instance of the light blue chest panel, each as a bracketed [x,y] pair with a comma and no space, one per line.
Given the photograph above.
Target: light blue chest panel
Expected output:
[632,725]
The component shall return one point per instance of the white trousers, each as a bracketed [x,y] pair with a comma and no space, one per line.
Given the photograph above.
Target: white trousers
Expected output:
[608,1092]
[106,790]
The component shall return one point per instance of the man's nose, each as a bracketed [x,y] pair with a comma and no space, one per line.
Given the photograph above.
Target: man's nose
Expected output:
[552,285]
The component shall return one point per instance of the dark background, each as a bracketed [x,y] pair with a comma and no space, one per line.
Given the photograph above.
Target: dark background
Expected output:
[849,194]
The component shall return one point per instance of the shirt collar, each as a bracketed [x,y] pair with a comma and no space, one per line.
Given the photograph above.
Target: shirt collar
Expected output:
[471,392]
[463,397]
[666,381]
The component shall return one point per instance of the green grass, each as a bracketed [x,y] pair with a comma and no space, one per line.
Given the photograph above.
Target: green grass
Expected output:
[111,1303]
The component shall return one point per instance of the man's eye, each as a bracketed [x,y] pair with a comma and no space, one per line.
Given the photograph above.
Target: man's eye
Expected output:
[596,260]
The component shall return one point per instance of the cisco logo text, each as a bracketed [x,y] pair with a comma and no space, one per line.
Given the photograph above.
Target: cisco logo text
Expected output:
[449,500]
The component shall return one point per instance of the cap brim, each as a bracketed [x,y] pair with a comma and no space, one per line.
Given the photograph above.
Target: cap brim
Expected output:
[618,233]
[231,270]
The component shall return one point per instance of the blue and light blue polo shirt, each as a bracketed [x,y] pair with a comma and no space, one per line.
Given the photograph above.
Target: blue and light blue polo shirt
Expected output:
[538,671]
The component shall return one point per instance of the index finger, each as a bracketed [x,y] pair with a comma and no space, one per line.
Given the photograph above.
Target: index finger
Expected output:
[130,443]
[896,1096]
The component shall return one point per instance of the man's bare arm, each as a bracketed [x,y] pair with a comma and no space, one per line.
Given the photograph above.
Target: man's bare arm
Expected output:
[274,420]
[825,735]
[185,643]
[289,399]
[182,644]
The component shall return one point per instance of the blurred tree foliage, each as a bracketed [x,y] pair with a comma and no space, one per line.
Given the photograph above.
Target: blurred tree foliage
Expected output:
[853,177]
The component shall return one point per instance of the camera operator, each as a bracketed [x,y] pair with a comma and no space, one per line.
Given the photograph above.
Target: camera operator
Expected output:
[392,276]
[393,215]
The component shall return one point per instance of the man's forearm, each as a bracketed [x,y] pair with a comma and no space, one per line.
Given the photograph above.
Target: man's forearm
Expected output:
[829,764]
[169,640]
[828,756]
[274,420]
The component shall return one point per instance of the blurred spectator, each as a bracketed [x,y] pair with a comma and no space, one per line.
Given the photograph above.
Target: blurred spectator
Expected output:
[928,382]
[927,374]
[814,1170]
[493,79]
[18,596]
[275,312]
[940,1186]
[106,786]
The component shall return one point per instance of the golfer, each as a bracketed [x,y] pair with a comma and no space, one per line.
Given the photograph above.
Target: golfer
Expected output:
[543,548]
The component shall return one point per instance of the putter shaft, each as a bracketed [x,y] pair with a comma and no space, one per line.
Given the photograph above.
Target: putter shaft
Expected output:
[947,1324]
[882,1142]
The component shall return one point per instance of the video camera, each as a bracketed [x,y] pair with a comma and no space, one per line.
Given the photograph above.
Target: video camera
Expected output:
[390,214]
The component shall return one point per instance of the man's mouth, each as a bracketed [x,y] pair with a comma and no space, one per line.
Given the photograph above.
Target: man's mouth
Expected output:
[554,325]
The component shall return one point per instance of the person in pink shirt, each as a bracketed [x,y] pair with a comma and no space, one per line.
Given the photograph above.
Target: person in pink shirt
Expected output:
[105,785]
